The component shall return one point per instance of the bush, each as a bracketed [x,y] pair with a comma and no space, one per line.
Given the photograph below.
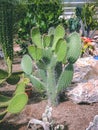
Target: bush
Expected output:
[43,14]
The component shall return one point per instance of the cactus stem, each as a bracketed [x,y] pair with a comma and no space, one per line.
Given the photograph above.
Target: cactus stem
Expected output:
[51,90]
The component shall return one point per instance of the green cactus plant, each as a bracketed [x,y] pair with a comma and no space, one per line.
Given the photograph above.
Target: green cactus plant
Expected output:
[16,103]
[6,32]
[12,79]
[55,64]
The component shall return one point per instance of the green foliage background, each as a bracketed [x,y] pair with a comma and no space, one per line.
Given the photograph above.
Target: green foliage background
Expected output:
[41,13]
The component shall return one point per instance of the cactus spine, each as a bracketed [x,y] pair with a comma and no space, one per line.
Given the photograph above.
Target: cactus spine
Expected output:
[55,51]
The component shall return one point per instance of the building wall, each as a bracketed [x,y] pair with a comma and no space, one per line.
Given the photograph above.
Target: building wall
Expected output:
[70,5]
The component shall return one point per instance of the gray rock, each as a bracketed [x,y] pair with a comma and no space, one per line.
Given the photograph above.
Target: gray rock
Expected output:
[86,81]
[85,92]
[93,125]
[84,69]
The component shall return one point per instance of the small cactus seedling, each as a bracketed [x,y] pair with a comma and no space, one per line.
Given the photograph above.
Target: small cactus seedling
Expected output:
[53,57]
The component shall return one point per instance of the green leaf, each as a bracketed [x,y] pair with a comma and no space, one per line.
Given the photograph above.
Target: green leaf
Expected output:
[61,49]
[36,53]
[65,78]
[36,37]
[39,85]
[17,103]
[26,64]
[58,34]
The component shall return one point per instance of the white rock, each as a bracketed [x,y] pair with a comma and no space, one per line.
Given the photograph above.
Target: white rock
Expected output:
[86,81]
[85,92]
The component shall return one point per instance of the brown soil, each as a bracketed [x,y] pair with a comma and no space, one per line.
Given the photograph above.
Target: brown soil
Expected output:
[75,116]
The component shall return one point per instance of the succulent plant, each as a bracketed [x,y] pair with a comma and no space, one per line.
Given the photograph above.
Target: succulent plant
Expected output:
[16,103]
[6,32]
[49,64]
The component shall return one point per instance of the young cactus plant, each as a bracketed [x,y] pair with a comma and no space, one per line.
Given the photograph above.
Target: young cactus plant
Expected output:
[53,57]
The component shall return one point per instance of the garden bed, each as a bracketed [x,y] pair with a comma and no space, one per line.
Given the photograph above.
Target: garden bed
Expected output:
[73,116]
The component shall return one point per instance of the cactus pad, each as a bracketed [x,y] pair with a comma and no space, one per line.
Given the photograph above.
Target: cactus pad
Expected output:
[35,52]
[61,49]
[58,34]
[74,47]
[39,85]
[20,88]
[36,37]
[65,77]
[13,79]
[17,103]
[26,64]
[2,114]
[46,40]
[3,74]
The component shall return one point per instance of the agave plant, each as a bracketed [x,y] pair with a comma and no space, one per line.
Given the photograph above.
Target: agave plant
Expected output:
[53,56]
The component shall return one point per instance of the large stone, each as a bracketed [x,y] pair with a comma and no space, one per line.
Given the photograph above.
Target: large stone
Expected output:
[93,125]
[86,81]
[86,92]
[85,69]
